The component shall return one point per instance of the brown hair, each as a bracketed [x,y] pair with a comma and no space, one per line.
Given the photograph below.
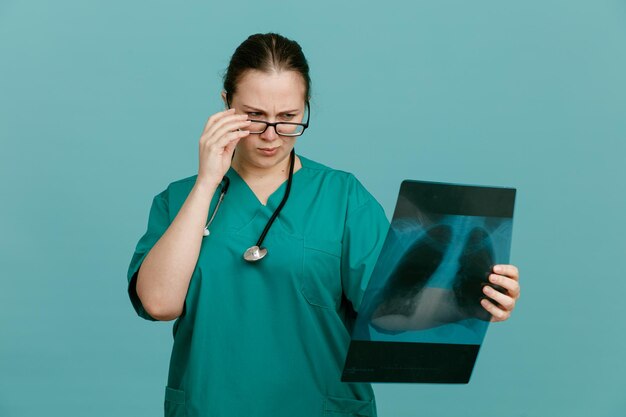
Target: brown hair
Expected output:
[266,52]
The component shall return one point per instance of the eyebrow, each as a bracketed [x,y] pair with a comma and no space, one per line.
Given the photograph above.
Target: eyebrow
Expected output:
[262,111]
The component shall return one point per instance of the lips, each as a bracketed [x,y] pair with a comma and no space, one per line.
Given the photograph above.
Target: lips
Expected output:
[268,151]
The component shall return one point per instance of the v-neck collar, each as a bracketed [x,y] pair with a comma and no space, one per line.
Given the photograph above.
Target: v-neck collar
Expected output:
[280,191]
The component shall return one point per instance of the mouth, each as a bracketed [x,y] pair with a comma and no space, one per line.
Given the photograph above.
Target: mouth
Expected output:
[268,151]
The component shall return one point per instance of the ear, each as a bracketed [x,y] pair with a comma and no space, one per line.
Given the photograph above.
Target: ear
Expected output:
[224,99]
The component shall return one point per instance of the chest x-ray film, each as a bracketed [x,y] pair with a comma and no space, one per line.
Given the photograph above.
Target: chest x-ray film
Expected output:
[421,319]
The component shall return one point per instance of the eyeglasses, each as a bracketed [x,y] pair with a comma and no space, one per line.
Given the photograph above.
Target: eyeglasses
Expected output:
[282,128]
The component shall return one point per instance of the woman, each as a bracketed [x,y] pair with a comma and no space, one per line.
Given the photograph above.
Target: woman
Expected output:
[268,336]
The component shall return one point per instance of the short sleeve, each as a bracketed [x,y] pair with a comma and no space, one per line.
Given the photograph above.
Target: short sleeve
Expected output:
[158,222]
[364,234]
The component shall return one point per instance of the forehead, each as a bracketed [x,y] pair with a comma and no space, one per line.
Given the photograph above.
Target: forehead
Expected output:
[269,90]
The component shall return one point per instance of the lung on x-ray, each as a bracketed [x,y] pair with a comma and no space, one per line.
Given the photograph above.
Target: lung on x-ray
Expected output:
[421,319]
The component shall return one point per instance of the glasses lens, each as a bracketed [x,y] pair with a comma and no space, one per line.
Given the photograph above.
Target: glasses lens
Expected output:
[256,127]
[289,129]
[281,128]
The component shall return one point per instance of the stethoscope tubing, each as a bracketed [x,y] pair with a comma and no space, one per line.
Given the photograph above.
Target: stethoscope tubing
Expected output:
[255,249]
[282,202]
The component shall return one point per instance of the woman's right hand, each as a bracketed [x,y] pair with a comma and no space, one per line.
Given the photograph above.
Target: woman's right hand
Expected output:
[217,144]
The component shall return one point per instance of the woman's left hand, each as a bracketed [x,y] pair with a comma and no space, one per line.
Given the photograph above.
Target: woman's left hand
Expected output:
[506,276]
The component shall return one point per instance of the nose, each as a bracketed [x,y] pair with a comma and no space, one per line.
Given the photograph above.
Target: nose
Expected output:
[270,134]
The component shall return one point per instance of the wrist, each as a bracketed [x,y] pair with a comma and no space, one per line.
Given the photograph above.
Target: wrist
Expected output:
[207,184]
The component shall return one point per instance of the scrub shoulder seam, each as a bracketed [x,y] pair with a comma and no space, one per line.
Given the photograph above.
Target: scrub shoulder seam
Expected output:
[185,179]
[368,202]
[324,168]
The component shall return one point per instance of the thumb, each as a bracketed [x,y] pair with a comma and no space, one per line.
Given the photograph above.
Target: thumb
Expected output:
[230,148]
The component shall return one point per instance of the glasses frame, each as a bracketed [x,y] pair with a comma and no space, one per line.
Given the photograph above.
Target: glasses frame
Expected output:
[274,124]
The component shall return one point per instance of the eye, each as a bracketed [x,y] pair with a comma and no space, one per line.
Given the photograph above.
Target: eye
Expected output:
[289,116]
[253,113]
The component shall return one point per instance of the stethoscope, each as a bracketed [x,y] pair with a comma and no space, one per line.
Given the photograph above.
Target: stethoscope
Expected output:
[256,252]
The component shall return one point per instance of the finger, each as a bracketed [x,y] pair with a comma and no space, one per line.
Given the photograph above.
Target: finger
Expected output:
[223,121]
[225,127]
[219,122]
[496,313]
[215,117]
[511,285]
[508,270]
[230,148]
[231,126]
[209,138]
[229,137]
[505,301]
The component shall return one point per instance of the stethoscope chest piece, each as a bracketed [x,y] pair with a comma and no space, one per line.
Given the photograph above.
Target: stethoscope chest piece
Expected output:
[254,254]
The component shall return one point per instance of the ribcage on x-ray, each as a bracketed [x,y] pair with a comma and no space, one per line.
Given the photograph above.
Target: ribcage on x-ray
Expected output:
[475,265]
[418,264]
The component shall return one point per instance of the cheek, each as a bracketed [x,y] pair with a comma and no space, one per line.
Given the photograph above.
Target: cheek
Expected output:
[246,143]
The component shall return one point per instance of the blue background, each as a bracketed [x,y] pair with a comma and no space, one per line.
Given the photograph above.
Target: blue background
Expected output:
[102,104]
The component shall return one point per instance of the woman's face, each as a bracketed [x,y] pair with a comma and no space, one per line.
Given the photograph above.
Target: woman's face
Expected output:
[273,97]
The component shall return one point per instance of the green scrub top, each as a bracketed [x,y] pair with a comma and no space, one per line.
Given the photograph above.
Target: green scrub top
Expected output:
[270,338]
